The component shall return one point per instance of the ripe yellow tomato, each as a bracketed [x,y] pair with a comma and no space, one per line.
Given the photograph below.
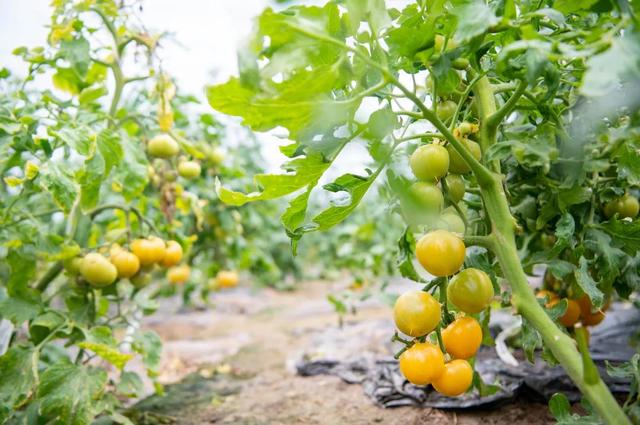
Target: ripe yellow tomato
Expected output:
[149,251]
[430,162]
[440,252]
[470,290]
[172,254]
[227,279]
[163,146]
[416,313]
[587,317]
[462,338]
[455,379]
[127,263]
[422,363]
[97,270]
[179,274]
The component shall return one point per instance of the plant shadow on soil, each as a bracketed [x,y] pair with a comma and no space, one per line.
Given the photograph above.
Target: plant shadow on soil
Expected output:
[234,364]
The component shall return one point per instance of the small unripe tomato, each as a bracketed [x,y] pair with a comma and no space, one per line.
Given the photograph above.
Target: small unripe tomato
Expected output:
[440,252]
[140,280]
[149,251]
[455,187]
[462,338]
[438,43]
[456,163]
[629,206]
[127,263]
[571,315]
[216,156]
[453,223]
[427,196]
[178,274]
[163,146]
[97,270]
[422,363]
[466,128]
[446,109]
[587,317]
[227,279]
[172,254]
[456,378]
[189,169]
[470,290]
[429,162]
[416,313]
[72,265]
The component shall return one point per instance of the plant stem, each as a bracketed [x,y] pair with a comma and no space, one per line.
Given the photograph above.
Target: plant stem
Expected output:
[523,298]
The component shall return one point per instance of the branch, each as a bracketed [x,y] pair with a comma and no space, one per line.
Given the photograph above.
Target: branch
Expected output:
[496,118]
[483,241]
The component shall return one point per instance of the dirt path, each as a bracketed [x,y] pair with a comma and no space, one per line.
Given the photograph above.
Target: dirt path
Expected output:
[241,355]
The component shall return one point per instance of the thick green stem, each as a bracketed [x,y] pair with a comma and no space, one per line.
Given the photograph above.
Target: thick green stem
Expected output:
[523,298]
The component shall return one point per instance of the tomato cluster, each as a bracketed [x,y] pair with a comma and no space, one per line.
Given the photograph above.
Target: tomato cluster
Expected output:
[100,271]
[579,309]
[418,314]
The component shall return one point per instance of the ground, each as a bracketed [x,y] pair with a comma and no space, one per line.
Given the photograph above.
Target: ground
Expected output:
[235,364]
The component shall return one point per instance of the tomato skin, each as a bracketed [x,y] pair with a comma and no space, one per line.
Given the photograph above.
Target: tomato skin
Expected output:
[587,317]
[455,379]
[427,196]
[178,274]
[126,262]
[429,162]
[440,252]
[72,265]
[629,206]
[470,290]
[422,363]
[149,251]
[226,279]
[446,109]
[462,338]
[453,223]
[416,313]
[172,254]
[97,270]
[571,315]
[163,146]
[455,187]
[189,170]
[140,280]
[456,163]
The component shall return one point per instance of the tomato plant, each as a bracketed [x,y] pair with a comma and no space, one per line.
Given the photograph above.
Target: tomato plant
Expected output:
[533,104]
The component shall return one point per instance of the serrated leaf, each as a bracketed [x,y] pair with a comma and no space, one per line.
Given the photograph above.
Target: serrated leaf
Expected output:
[18,368]
[626,234]
[608,70]
[474,18]
[68,393]
[110,354]
[149,345]
[405,256]
[60,184]
[587,284]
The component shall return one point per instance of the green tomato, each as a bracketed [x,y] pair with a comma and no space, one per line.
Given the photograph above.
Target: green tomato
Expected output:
[453,223]
[141,279]
[97,270]
[470,290]
[216,156]
[189,169]
[427,196]
[430,162]
[629,206]
[456,163]
[446,109]
[163,146]
[455,186]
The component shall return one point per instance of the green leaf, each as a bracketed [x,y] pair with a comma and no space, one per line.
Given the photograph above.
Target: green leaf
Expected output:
[59,183]
[560,407]
[131,176]
[149,345]
[474,18]
[587,284]
[130,385]
[307,171]
[626,234]
[381,123]
[372,11]
[81,139]
[406,245]
[530,339]
[618,64]
[110,354]
[68,393]
[18,368]
[90,179]
[570,6]
[628,160]
[76,51]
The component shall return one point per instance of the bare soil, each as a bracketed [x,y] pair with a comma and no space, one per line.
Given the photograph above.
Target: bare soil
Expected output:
[235,364]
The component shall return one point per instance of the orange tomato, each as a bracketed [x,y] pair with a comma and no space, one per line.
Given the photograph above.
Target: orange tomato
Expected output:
[172,255]
[422,363]
[440,252]
[455,379]
[462,338]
